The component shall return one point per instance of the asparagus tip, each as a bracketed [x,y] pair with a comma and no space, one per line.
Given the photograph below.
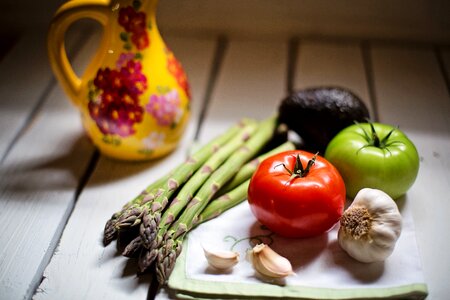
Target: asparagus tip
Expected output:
[146,259]
[149,228]
[110,233]
[132,248]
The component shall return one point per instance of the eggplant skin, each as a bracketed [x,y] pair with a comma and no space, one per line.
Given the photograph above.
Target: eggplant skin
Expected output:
[317,114]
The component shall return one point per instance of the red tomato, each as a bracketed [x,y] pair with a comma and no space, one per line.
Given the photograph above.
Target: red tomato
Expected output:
[301,204]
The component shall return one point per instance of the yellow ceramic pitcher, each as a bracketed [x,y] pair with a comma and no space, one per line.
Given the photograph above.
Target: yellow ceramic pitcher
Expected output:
[134,95]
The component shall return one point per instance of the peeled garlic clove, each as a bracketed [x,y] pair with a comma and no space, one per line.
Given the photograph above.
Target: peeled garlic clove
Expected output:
[221,260]
[269,263]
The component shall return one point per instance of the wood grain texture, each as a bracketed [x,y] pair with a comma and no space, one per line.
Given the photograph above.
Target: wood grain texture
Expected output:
[411,93]
[38,184]
[82,268]
[250,84]
[420,19]
[26,79]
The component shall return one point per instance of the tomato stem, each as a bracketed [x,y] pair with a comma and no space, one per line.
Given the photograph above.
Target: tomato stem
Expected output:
[299,171]
[373,139]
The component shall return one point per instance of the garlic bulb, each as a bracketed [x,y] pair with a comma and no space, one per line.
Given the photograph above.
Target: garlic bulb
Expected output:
[269,263]
[221,260]
[370,227]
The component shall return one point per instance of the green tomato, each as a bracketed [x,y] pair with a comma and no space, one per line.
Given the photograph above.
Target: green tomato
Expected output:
[374,155]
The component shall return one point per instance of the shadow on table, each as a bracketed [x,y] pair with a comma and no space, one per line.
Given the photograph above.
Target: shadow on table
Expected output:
[363,272]
[72,169]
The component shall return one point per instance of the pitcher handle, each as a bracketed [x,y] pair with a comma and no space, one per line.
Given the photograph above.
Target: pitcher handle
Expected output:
[67,14]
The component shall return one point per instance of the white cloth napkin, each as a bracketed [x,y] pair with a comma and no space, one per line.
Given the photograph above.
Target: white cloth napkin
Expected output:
[323,270]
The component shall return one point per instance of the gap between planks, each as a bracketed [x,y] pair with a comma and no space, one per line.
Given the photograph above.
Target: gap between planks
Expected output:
[219,54]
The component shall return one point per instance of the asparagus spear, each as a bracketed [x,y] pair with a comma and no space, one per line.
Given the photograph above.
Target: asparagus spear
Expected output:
[223,203]
[110,231]
[248,169]
[237,192]
[131,213]
[171,247]
[152,235]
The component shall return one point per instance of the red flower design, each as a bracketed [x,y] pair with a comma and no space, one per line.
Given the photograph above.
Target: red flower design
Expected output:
[135,23]
[140,40]
[115,105]
[103,78]
[126,14]
[117,108]
[136,82]
[176,69]
[114,116]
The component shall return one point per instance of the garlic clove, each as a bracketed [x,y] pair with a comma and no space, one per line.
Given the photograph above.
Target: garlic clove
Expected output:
[269,263]
[220,259]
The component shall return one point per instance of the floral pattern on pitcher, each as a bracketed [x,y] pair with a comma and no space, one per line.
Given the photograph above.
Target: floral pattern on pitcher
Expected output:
[165,108]
[114,93]
[113,101]
[176,69]
[134,97]
[153,141]
[135,25]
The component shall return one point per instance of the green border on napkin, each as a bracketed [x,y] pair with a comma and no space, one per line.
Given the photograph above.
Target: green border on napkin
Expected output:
[189,288]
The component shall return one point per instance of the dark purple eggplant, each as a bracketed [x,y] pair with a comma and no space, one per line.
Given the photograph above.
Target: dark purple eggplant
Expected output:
[317,114]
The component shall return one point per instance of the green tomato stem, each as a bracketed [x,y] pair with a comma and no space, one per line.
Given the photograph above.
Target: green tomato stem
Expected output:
[374,139]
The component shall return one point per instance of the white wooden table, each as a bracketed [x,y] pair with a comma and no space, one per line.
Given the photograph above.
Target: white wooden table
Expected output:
[57,191]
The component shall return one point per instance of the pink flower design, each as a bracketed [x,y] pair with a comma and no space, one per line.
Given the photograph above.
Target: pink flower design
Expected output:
[165,108]
[124,58]
[154,140]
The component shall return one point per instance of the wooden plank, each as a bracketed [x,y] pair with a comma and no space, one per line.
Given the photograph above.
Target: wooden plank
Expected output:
[424,20]
[26,79]
[38,184]
[251,84]
[411,93]
[82,268]
[332,64]
[21,89]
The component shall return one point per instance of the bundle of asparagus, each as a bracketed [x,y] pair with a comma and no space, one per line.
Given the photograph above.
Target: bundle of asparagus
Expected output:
[212,180]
